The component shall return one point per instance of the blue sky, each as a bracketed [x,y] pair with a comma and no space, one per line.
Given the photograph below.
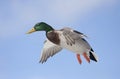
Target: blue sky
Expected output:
[20,53]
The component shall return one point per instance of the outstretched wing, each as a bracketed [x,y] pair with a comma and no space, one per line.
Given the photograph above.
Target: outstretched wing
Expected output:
[72,32]
[49,50]
[73,36]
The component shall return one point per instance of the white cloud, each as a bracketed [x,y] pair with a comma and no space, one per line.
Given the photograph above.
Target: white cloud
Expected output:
[19,13]
[69,10]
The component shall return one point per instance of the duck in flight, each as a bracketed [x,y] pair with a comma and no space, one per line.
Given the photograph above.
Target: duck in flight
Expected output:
[64,38]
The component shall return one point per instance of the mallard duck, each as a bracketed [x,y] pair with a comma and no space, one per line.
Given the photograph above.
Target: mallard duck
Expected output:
[64,38]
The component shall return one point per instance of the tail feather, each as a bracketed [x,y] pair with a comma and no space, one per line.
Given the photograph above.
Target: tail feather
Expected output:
[93,56]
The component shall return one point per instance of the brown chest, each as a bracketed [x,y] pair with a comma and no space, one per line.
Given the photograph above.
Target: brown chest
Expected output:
[53,37]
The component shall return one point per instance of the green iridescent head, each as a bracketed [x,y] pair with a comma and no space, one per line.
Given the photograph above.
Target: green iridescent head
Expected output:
[41,27]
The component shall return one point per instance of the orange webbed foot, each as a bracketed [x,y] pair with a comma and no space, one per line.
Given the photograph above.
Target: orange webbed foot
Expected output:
[79,59]
[86,57]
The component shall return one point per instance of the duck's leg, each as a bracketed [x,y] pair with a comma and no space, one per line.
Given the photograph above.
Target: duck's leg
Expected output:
[78,58]
[86,57]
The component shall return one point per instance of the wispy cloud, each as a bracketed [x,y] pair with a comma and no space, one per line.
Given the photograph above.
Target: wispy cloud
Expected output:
[70,10]
[18,13]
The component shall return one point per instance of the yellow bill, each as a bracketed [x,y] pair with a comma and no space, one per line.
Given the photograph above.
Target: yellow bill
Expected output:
[32,30]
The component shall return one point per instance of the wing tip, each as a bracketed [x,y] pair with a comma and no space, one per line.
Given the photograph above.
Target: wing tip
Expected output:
[42,61]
